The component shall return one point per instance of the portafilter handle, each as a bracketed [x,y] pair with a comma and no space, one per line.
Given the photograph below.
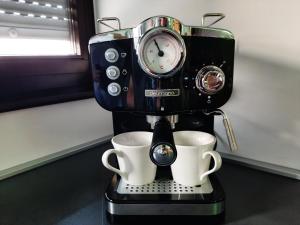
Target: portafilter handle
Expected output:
[228,127]
[163,151]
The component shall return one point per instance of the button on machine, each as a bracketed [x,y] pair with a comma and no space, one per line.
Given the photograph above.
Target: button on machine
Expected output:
[114,89]
[111,55]
[113,72]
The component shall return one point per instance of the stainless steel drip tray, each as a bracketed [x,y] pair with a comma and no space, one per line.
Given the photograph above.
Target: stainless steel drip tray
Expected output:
[163,187]
[164,198]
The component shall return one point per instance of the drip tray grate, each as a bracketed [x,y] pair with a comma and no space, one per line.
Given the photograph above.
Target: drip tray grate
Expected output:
[163,187]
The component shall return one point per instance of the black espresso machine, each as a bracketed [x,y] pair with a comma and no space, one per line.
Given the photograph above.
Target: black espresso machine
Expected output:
[163,76]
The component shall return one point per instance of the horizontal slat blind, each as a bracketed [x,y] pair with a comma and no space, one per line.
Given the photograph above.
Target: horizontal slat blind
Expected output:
[24,18]
[35,19]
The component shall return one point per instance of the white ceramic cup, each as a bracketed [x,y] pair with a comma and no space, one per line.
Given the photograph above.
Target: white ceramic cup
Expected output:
[132,150]
[194,151]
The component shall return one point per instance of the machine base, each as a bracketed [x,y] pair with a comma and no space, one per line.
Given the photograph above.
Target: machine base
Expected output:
[174,220]
[207,207]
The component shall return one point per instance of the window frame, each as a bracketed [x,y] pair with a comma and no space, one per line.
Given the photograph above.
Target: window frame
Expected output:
[29,81]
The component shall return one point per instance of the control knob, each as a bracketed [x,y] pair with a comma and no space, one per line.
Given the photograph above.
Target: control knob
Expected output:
[113,72]
[114,89]
[111,55]
[210,79]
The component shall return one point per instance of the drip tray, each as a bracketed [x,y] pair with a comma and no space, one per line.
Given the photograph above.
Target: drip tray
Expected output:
[164,198]
[163,187]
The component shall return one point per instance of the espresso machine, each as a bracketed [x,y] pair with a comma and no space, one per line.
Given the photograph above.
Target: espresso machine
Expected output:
[163,76]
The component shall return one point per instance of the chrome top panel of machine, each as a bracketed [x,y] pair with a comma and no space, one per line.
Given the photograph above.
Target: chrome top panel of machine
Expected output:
[161,21]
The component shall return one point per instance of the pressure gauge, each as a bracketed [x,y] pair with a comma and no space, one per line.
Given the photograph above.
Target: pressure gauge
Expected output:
[161,52]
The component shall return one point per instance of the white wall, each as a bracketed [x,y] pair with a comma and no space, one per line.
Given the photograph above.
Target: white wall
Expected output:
[33,136]
[131,12]
[265,112]
[264,29]
[264,108]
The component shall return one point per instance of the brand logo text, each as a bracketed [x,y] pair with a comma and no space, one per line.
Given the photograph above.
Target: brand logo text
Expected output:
[162,93]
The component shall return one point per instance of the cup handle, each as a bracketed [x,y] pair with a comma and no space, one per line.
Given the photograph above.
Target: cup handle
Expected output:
[105,162]
[217,163]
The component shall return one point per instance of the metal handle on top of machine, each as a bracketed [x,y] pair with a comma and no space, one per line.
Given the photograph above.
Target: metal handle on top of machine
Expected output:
[228,127]
[207,15]
[102,21]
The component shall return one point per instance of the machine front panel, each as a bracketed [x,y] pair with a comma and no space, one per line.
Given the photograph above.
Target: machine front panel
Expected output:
[137,91]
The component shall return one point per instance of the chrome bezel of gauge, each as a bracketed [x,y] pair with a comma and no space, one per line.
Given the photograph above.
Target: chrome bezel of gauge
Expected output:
[140,47]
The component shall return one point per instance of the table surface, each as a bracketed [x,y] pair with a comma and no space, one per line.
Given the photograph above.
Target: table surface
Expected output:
[70,192]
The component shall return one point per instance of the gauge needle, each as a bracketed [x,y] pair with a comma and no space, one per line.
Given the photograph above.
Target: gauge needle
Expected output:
[160,52]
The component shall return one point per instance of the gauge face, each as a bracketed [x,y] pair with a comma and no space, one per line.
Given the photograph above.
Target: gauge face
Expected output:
[162,53]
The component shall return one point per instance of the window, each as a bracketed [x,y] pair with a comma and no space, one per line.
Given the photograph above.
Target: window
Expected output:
[36,27]
[43,51]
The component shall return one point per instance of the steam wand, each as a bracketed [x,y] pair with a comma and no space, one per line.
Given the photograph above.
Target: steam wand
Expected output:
[228,127]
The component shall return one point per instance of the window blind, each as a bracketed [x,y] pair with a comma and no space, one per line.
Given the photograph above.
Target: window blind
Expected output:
[37,20]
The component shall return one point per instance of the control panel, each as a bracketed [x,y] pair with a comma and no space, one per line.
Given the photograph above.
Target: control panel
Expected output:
[163,71]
